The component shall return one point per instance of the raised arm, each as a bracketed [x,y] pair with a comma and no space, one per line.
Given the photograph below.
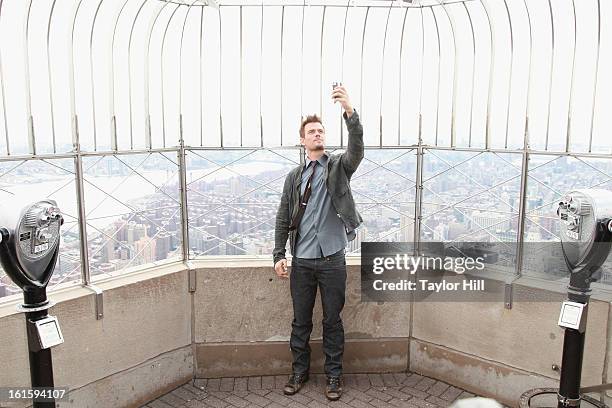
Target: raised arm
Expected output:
[353,155]
[351,158]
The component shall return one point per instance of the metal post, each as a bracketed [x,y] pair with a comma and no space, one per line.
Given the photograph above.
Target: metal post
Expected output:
[573,352]
[80,196]
[41,362]
[571,368]
[521,221]
[183,197]
[418,197]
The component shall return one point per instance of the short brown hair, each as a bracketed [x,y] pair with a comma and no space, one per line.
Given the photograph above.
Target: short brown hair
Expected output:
[309,119]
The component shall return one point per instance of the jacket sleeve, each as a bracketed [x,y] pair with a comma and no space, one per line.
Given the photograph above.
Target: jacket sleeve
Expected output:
[351,158]
[281,230]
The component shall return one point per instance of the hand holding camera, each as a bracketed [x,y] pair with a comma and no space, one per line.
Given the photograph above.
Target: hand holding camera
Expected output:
[339,94]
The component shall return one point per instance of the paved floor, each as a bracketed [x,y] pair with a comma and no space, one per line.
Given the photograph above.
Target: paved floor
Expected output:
[360,391]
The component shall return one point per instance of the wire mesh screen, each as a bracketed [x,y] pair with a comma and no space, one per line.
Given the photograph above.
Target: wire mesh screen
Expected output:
[167,126]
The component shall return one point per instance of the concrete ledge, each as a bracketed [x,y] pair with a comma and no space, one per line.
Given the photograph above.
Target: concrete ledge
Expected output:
[214,360]
[474,374]
[136,386]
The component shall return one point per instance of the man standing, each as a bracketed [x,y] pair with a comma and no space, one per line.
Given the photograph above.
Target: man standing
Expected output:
[317,212]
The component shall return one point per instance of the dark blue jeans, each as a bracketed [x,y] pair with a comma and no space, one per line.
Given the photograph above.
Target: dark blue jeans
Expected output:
[329,274]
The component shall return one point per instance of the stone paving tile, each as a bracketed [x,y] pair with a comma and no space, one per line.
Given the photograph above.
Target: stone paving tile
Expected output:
[254,383]
[379,393]
[425,383]
[465,394]
[213,384]
[437,389]
[389,380]
[172,400]
[159,404]
[376,380]
[438,401]
[412,380]
[397,394]
[195,404]
[414,392]
[280,381]
[240,383]
[213,401]
[199,392]
[451,394]
[400,377]
[227,384]
[380,404]
[267,382]
[184,394]
[363,381]
[389,390]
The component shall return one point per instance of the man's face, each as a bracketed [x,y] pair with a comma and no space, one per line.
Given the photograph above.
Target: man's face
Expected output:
[314,136]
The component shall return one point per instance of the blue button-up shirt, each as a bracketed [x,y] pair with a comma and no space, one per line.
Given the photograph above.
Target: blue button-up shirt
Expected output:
[321,231]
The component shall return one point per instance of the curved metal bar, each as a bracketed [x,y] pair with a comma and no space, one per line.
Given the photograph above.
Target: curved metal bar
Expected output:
[365,25]
[420,130]
[569,104]
[438,75]
[148,141]
[180,75]
[552,62]
[491,71]
[348,3]
[31,139]
[302,63]
[321,61]
[162,75]
[91,73]
[73,115]
[596,75]
[526,140]
[49,76]
[510,74]
[261,139]
[202,76]
[281,72]
[454,107]
[6,133]
[382,73]
[240,82]
[399,102]
[220,78]
[130,72]
[112,81]
[467,11]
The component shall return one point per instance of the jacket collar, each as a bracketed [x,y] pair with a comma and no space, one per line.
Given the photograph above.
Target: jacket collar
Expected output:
[322,160]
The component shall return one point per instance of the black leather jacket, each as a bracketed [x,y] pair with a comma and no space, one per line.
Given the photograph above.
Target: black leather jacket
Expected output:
[340,168]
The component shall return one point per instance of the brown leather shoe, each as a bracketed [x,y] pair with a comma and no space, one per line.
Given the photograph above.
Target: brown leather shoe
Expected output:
[295,383]
[333,390]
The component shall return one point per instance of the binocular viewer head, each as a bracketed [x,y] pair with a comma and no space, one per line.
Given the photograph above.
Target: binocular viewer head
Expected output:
[586,230]
[29,243]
